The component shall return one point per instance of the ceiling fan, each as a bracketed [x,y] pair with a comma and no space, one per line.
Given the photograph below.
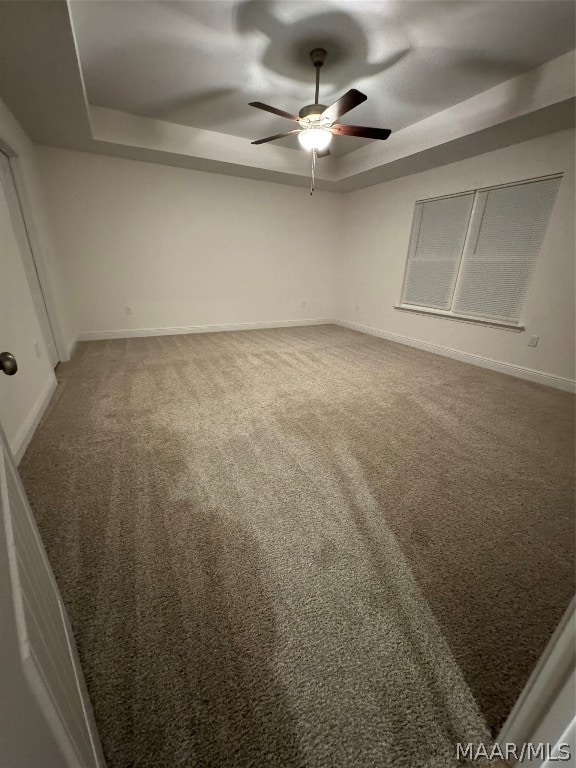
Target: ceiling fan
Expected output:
[318,123]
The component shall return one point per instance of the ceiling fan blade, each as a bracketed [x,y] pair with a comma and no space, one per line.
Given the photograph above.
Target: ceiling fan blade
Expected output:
[273,110]
[351,99]
[276,136]
[361,131]
[323,153]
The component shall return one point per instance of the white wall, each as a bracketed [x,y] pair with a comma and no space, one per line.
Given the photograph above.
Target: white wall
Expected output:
[24,396]
[184,248]
[371,263]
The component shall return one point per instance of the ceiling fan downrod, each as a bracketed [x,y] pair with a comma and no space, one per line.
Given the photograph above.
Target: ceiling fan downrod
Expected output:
[318,56]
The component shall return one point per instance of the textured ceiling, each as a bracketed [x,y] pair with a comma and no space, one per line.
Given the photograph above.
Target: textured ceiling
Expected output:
[200,63]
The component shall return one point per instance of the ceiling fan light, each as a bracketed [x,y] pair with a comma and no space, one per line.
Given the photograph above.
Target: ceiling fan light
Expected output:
[315,138]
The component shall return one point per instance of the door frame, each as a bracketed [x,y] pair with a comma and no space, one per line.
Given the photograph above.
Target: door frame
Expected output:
[545,711]
[36,251]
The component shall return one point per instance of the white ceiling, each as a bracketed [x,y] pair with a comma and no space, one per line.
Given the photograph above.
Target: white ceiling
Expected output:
[200,63]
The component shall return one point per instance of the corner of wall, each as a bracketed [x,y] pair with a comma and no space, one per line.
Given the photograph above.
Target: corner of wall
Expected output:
[54,280]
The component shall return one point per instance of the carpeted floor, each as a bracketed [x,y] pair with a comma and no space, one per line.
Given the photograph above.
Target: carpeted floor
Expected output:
[302,547]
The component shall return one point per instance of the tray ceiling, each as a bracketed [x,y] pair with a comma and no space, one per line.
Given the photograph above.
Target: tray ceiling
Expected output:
[200,63]
[169,82]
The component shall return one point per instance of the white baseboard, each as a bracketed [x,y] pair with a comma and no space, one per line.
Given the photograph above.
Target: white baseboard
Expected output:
[483,362]
[24,434]
[133,332]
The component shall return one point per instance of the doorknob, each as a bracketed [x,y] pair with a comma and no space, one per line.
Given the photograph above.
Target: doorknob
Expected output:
[8,363]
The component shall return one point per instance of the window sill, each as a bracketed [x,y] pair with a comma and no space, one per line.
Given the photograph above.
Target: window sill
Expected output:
[506,325]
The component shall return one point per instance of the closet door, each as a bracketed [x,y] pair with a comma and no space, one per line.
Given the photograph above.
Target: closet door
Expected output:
[20,229]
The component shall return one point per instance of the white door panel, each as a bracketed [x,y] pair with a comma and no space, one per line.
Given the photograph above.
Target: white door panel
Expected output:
[45,716]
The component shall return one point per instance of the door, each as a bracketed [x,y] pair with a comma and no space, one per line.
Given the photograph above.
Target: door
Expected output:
[21,233]
[46,720]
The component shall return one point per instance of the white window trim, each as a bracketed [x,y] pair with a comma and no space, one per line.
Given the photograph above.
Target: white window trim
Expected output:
[480,196]
[507,325]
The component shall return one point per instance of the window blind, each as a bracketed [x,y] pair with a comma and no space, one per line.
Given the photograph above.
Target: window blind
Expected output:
[505,239]
[435,252]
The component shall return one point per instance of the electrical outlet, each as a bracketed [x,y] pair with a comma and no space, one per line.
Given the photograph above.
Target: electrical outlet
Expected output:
[128,310]
[533,341]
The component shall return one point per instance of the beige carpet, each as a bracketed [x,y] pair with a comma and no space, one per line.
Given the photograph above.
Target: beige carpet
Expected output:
[302,547]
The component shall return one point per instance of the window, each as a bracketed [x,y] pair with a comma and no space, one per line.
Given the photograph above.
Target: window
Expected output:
[472,255]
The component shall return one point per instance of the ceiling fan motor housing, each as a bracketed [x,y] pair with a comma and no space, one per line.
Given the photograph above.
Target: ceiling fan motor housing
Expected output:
[312,109]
